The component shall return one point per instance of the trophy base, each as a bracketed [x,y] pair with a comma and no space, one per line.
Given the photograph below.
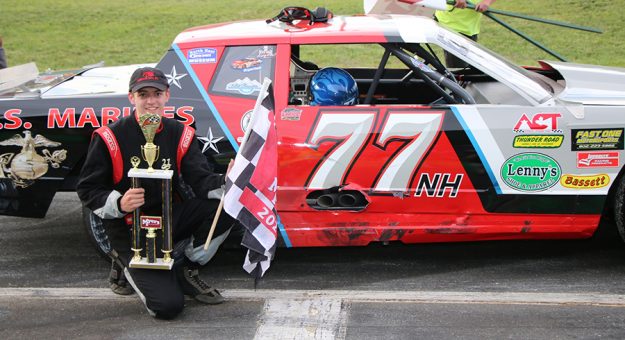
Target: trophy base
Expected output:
[144,264]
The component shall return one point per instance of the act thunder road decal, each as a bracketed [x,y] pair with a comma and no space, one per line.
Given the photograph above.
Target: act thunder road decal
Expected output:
[538,141]
[530,172]
[596,139]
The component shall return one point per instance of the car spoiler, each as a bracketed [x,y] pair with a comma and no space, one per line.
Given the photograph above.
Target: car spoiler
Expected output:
[17,76]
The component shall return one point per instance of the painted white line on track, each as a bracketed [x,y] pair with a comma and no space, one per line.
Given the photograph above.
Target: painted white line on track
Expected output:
[529,298]
[302,319]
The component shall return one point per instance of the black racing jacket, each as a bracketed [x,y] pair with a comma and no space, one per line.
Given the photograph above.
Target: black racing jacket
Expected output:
[103,179]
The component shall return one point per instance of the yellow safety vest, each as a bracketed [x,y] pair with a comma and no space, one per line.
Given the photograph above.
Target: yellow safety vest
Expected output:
[462,20]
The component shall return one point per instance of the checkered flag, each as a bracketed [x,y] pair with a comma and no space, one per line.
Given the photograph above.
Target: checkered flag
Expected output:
[250,195]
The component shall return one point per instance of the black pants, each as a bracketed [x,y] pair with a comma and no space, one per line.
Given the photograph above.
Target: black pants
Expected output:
[160,290]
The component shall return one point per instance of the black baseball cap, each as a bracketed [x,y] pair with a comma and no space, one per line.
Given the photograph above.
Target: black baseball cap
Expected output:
[148,77]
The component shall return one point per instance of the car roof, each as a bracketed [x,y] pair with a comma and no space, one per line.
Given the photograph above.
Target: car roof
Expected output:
[340,29]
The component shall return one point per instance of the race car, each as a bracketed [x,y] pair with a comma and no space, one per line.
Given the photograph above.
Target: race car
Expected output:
[377,141]
[246,64]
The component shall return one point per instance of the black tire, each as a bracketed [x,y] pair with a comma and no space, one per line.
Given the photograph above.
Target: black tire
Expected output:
[619,209]
[95,233]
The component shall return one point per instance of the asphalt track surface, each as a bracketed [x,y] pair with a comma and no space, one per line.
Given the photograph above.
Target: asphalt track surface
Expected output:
[53,285]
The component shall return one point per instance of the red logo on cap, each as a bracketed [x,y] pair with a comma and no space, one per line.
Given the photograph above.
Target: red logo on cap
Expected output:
[147,75]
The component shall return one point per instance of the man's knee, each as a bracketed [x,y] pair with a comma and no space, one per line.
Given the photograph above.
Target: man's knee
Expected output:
[169,307]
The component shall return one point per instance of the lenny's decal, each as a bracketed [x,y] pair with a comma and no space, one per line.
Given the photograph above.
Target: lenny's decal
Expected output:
[530,172]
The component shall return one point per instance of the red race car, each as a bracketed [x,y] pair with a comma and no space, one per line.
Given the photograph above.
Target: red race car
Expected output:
[396,148]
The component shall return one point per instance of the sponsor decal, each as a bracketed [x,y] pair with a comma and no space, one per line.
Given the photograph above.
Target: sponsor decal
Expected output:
[266,52]
[13,121]
[291,114]
[247,64]
[584,181]
[530,172]
[245,119]
[540,122]
[608,159]
[109,138]
[87,117]
[596,139]
[187,138]
[244,86]
[438,185]
[202,56]
[150,222]
[25,167]
[538,141]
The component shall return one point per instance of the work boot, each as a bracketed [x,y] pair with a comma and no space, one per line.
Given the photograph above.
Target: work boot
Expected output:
[194,286]
[117,280]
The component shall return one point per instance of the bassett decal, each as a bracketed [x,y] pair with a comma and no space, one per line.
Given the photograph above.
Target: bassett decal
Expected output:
[585,181]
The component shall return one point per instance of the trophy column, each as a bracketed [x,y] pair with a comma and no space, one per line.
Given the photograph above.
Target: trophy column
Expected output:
[152,224]
[149,124]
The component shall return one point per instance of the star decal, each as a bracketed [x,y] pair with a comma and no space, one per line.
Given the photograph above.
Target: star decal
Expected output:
[173,77]
[210,141]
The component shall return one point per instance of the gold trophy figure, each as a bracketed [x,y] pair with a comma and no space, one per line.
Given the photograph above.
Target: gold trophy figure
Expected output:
[153,227]
[149,122]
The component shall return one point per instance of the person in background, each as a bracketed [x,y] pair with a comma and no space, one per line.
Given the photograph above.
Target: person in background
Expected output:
[463,20]
[3,57]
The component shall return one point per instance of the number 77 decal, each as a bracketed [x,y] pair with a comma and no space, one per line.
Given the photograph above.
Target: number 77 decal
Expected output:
[351,132]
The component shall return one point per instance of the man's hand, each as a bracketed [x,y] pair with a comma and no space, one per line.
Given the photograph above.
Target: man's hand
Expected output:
[460,4]
[229,167]
[132,199]
[483,6]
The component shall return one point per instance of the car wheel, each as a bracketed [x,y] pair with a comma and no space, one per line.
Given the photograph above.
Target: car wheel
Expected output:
[619,208]
[95,232]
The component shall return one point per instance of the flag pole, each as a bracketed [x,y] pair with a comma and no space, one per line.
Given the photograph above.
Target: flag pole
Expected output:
[259,100]
[532,18]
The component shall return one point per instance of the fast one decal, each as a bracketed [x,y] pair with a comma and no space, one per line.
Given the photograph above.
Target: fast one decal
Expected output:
[585,181]
[27,165]
[607,159]
[75,119]
[538,141]
[539,122]
[596,139]
[530,172]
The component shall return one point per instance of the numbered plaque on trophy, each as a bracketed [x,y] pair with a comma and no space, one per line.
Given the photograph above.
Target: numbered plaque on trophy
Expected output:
[156,230]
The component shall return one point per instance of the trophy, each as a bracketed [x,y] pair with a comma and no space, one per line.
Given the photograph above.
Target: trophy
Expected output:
[154,228]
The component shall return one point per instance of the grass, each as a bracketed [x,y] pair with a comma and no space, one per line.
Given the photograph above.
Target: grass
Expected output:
[62,34]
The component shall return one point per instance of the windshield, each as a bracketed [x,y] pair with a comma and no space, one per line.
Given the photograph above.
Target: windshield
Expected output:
[539,79]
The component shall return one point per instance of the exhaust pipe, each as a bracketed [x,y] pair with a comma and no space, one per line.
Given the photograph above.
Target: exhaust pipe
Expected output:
[327,200]
[347,200]
[333,199]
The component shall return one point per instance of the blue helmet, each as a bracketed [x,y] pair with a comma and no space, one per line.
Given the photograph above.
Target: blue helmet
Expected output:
[333,86]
